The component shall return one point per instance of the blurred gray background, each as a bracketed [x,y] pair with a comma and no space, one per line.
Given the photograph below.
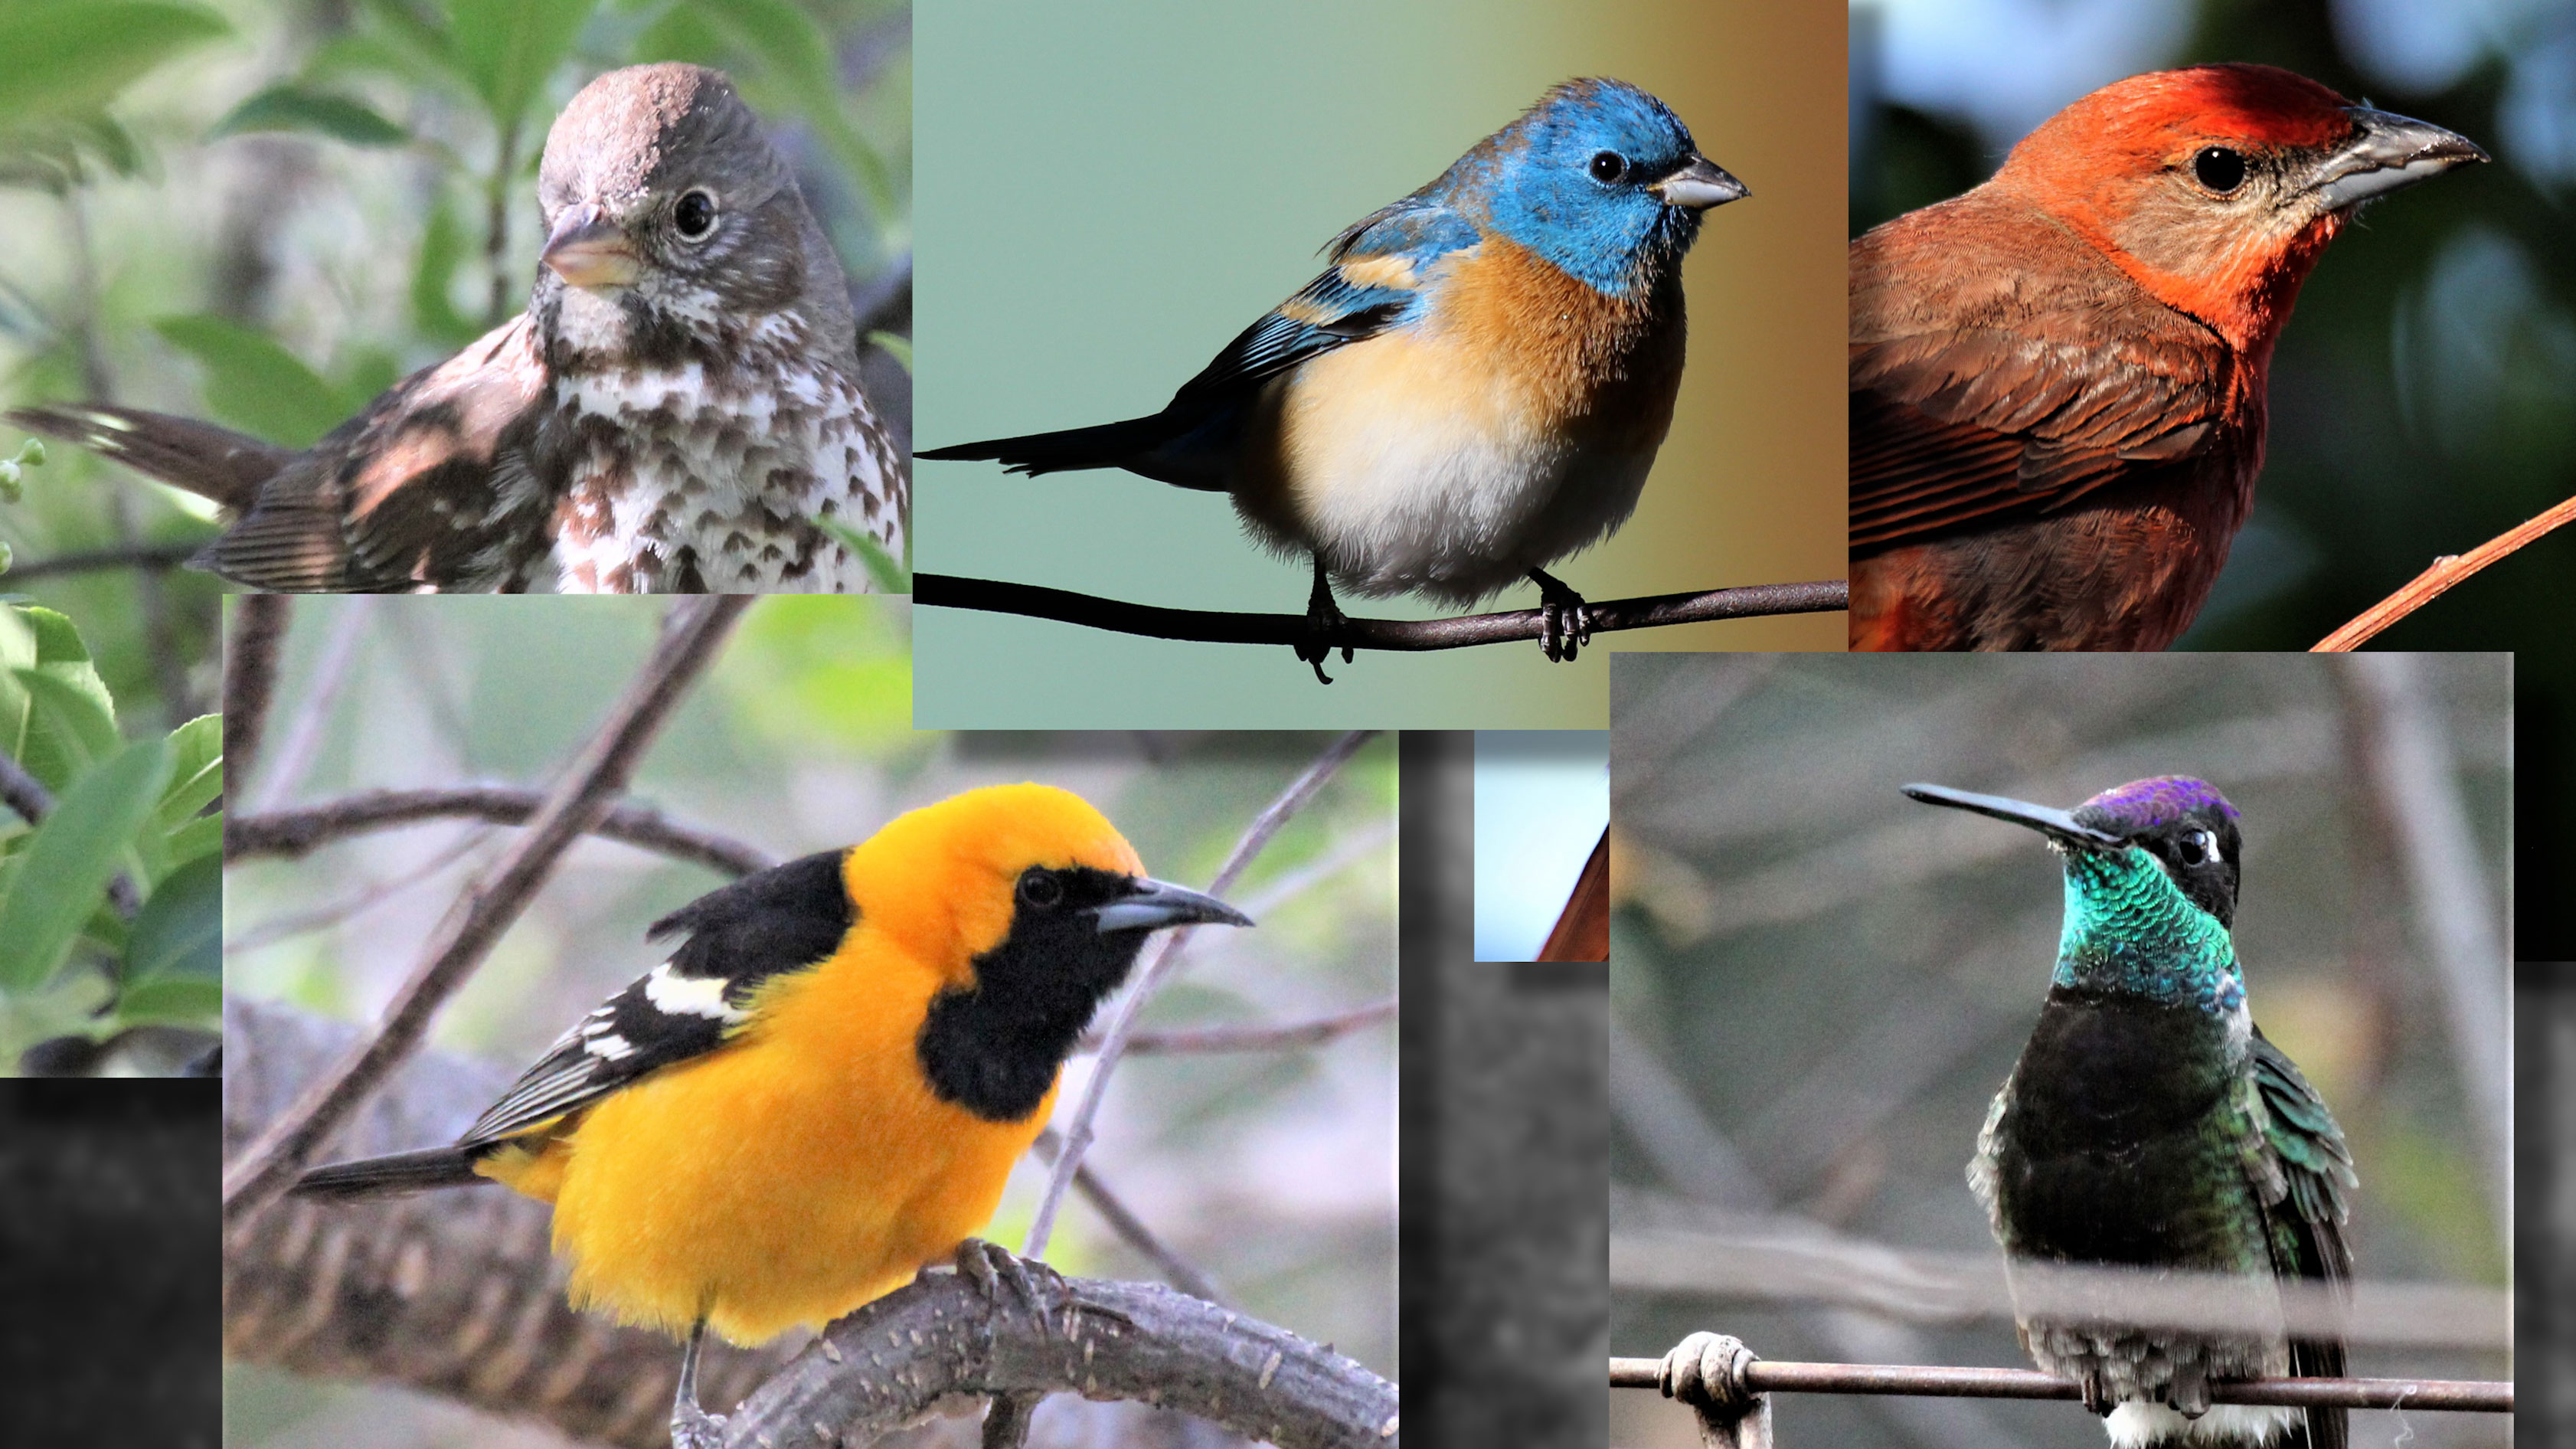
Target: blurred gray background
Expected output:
[1818,985]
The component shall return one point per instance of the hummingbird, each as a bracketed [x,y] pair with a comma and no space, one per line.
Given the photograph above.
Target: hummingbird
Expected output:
[2150,1125]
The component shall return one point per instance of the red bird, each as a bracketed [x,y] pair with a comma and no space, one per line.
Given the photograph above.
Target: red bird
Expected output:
[2057,379]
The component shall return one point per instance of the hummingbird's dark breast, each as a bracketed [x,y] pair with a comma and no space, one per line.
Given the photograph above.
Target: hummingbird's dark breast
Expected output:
[2111,1146]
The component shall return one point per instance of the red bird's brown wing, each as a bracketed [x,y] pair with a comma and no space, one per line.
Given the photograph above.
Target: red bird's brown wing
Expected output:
[426,488]
[2000,365]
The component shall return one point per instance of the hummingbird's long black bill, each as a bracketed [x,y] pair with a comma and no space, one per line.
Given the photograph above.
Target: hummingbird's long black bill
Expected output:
[2054,823]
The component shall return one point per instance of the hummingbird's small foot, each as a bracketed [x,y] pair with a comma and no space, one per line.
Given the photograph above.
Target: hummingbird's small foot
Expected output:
[2189,1392]
[2094,1401]
[1325,627]
[1565,621]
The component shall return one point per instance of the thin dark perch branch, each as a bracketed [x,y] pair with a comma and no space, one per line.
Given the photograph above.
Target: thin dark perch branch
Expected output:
[250,677]
[299,832]
[1251,1037]
[693,630]
[154,557]
[2434,581]
[946,1335]
[1764,1376]
[1410,635]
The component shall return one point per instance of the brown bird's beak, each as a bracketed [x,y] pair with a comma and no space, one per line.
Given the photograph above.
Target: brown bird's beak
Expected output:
[1698,185]
[587,250]
[2390,153]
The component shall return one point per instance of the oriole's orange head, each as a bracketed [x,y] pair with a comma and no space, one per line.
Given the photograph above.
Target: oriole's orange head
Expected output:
[941,879]
[2218,186]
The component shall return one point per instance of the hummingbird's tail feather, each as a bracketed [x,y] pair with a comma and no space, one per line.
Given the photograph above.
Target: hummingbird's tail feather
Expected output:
[209,461]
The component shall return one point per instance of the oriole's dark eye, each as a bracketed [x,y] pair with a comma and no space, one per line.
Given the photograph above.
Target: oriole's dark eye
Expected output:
[1608,166]
[1040,888]
[695,216]
[2219,169]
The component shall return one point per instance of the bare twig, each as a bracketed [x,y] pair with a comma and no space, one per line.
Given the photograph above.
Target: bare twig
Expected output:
[1217,627]
[154,557]
[250,677]
[304,735]
[1212,1039]
[2446,571]
[1769,1376]
[2412,766]
[1178,1271]
[373,894]
[299,832]
[1167,949]
[693,630]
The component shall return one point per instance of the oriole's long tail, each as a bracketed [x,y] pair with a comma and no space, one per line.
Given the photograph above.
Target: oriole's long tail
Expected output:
[386,1176]
[209,461]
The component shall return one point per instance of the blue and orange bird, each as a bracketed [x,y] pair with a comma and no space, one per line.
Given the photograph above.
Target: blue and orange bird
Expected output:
[1473,389]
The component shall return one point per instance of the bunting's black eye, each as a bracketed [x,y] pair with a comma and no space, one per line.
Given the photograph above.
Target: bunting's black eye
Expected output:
[2219,169]
[1608,166]
[1040,888]
[695,216]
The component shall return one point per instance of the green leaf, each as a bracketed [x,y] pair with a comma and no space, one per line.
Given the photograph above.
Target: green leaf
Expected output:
[71,57]
[291,107]
[196,771]
[254,383]
[67,730]
[507,48]
[897,346]
[179,932]
[891,575]
[179,1000]
[67,864]
[42,643]
[203,835]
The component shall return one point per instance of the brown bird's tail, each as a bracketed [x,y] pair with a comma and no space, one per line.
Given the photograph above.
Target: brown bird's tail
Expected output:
[209,461]
[403,1172]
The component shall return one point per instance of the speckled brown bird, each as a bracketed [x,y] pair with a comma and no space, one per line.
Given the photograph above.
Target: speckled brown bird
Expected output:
[676,407]
[2057,379]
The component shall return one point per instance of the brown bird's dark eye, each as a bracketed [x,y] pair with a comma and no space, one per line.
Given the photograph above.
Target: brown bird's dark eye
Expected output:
[1608,166]
[2219,169]
[696,216]
[1040,889]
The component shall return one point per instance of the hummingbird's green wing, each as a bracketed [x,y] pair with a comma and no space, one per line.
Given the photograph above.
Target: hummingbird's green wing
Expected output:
[2304,1208]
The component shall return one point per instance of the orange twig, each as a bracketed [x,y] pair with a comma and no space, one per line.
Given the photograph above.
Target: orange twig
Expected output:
[2446,571]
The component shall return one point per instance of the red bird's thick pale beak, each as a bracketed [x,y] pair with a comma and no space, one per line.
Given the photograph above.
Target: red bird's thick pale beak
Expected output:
[587,250]
[2392,152]
[1698,185]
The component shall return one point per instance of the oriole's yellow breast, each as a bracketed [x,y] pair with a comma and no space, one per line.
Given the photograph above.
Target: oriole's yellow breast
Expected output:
[789,1177]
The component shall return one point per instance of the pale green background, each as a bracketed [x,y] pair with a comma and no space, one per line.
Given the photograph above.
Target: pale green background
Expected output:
[1107,193]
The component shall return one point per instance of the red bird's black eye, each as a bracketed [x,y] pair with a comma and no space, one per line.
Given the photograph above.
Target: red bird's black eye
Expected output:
[2219,169]
[1608,166]
[695,216]
[1040,888]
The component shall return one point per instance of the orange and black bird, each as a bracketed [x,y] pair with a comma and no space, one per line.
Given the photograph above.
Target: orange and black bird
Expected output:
[825,1086]
[2057,379]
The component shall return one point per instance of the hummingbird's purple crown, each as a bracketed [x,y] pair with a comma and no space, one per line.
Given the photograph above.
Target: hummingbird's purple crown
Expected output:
[2162,800]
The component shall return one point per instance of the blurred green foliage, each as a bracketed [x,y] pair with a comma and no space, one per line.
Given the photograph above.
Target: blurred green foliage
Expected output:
[75,960]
